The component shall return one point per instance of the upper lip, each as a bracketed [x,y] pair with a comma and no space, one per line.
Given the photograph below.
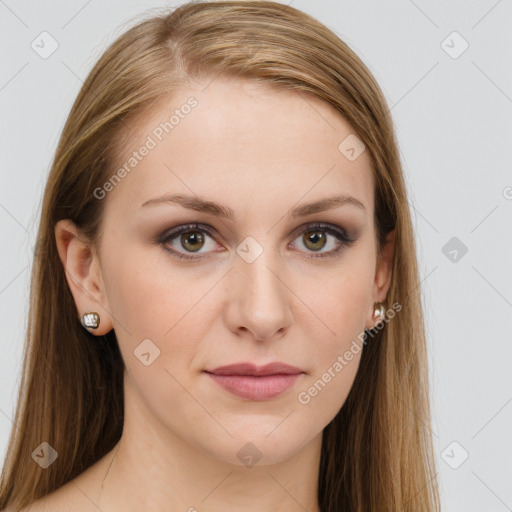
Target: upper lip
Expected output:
[276,368]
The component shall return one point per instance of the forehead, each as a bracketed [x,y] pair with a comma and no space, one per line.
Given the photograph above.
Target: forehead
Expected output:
[243,143]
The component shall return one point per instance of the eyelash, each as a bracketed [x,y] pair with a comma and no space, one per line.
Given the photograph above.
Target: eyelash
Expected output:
[340,234]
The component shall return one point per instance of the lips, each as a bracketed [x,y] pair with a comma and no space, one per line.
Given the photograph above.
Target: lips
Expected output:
[256,382]
[276,368]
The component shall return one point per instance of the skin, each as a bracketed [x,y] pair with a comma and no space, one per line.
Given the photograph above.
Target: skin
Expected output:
[260,152]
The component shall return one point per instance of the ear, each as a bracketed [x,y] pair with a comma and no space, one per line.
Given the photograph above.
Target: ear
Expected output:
[82,270]
[383,274]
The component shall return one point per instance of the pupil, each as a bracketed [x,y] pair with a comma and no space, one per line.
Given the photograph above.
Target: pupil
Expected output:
[193,240]
[316,238]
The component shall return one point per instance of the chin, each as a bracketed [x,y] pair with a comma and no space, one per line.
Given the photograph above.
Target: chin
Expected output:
[249,448]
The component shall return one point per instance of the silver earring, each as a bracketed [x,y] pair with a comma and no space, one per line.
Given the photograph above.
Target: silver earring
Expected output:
[91,320]
[378,310]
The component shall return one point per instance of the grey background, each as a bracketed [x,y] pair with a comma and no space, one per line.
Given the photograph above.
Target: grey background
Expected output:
[454,125]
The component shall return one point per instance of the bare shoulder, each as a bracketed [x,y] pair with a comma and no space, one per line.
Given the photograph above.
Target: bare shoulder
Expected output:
[44,504]
[78,495]
[64,499]
[36,506]
[81,494]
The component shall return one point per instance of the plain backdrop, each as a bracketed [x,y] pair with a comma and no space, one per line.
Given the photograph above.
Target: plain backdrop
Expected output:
[445,68]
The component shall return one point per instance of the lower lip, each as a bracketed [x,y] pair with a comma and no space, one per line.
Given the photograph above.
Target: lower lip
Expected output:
[256,388]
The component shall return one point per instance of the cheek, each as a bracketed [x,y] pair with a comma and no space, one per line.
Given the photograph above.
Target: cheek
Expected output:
[161,317]
[338,312]
[324,393]
[339,299]
[151,297]
[336,358]
[168,313]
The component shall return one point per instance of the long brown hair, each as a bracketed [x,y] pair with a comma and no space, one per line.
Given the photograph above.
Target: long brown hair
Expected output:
[377,452]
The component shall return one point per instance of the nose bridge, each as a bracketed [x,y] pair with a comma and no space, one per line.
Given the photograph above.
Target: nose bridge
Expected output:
[262,299]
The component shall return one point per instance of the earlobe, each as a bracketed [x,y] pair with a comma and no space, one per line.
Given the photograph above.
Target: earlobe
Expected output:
[81,268]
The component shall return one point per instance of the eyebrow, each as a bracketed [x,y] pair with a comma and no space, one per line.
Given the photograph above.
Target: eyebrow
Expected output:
[202,205]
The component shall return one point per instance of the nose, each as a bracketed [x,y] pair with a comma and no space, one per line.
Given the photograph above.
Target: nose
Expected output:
[259,299]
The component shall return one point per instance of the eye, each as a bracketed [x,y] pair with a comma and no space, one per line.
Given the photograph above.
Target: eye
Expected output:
[192,238]
[317,237]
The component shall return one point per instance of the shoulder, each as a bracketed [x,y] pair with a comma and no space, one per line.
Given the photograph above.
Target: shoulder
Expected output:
[64,499]
[44,504]
[67,498]
[77,495]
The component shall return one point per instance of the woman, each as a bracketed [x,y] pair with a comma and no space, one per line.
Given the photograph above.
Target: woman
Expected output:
[225,305]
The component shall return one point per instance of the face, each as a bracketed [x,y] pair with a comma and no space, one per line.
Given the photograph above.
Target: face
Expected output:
[213,254]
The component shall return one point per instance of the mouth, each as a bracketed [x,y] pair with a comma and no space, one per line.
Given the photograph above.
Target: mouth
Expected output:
[253,382]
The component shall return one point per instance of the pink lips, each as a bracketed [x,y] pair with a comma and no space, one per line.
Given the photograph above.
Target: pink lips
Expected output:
[256,382]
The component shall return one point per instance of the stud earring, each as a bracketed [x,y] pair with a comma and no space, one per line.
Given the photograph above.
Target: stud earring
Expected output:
[91,320]
[378,310]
